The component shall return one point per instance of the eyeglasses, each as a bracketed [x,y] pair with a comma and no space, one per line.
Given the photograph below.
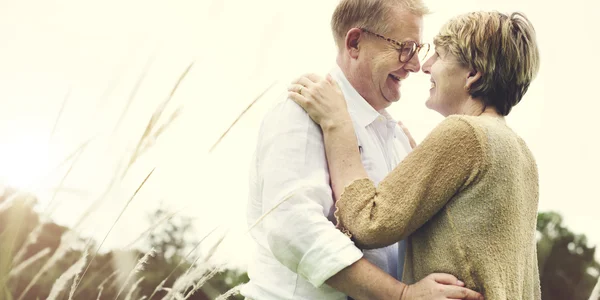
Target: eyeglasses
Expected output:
[406,49]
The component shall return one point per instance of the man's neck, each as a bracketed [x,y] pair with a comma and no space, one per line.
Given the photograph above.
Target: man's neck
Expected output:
[352,79]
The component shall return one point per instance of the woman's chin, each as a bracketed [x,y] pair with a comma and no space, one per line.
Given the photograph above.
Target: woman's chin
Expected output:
[430,105]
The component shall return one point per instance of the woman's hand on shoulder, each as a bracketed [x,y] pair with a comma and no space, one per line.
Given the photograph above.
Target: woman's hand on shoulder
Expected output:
[321,98]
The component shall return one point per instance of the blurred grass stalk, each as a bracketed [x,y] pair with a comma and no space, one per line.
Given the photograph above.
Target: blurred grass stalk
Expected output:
[8,260]
[10,264]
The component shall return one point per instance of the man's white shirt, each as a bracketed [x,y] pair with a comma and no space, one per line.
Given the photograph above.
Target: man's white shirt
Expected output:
[291,206]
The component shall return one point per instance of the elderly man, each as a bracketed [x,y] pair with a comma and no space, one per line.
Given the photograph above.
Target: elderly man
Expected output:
[300,254]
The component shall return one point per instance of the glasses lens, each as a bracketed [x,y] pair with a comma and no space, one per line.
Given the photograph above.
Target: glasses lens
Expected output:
[423,52]
[407,51]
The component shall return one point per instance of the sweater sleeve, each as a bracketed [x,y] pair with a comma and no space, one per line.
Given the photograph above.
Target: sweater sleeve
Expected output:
[446,162]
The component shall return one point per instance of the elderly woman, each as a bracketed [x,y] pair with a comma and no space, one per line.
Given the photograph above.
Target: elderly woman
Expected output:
[466,198]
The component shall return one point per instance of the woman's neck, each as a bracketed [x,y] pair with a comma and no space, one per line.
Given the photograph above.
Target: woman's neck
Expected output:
[475,107]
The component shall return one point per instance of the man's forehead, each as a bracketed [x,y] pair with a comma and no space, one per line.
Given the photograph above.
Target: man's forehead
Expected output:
[408,30]
[406,25]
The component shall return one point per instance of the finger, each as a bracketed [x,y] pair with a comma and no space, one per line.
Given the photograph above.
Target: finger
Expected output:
[305,81]
[332,81]
[411,140]
[313,77]
[296,88]
[446,279]
[329,78]
[455,292]
[299,99]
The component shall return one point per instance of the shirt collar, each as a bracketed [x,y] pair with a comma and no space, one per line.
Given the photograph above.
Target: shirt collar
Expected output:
[363,113]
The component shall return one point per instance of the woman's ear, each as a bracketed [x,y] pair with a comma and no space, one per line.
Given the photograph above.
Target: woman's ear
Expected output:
[353,41]
[472,78]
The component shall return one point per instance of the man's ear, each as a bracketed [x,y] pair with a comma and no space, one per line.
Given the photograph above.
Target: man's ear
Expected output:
[472,78]
[353,42]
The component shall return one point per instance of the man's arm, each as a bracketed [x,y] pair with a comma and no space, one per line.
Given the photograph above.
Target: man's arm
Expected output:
[296,197]
[362,280]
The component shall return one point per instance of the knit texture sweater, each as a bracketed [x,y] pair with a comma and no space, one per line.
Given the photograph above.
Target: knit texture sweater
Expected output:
[466,202]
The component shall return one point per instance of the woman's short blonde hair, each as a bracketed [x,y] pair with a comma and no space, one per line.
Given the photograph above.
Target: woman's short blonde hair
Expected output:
[503,48]
[374,15]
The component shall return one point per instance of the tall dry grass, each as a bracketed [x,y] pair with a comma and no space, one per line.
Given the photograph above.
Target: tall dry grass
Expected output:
[192,280]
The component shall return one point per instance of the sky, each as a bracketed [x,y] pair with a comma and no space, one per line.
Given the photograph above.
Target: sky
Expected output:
[94,54]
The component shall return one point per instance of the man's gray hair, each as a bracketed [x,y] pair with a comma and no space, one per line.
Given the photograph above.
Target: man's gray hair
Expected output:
[374,15]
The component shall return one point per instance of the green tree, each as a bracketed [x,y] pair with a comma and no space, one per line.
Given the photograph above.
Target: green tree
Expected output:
[173,239]
[566,262]
[173,234]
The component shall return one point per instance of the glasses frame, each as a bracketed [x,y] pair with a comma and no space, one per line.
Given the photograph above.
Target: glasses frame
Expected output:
[401,45]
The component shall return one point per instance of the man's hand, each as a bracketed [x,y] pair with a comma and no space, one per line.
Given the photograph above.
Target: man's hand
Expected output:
[410,138]
[439,286]
[363,280]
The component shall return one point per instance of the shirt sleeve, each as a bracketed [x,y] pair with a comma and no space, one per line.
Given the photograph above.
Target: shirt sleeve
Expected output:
[297,197]
[446,162]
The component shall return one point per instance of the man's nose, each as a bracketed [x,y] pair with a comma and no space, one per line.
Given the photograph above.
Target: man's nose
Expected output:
[413,65]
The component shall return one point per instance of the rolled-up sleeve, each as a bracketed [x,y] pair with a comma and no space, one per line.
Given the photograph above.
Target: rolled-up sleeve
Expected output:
[296,197]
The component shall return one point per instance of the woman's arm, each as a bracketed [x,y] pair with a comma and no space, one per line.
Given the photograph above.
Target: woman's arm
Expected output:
[343,156]
[447,161]
[324,101]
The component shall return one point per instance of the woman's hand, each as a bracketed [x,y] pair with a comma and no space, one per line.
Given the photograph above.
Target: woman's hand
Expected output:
[412,142]
[321,98]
